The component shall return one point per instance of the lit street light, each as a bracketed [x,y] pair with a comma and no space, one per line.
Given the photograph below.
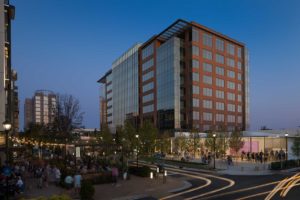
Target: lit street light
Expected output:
[7,127]
[286,147]
[214,136]
[137,150]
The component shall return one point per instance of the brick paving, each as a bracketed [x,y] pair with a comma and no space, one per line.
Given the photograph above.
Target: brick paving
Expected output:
[135,188]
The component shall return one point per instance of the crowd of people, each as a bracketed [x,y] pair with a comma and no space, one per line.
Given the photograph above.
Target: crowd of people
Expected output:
[264,156]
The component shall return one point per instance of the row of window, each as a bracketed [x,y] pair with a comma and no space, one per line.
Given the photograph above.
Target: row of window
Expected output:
[219,105]
[149,108]
[218,58]
[148,51]
[148,64]
[148,75]
[219,117]
[219,70]
[207,40]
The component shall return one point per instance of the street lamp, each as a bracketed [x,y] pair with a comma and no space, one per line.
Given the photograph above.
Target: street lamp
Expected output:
[286,147]
[7,127]
[214,136]
[137,151]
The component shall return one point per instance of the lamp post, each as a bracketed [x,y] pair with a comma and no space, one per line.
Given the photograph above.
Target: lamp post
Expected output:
[286,147]
[7,127]
[214,136]
[137,150]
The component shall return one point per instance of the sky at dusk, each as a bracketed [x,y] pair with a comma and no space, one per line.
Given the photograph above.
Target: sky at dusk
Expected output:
[66,45]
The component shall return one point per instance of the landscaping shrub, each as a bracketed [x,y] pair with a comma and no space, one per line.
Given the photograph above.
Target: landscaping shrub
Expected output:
[143,171]
[87,190]
[100,178]
[285,164]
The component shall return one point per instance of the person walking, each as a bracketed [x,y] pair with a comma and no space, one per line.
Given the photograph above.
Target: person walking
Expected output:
[77,182]
[115,174]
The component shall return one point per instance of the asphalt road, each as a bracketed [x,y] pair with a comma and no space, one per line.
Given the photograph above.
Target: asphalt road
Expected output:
[209,185]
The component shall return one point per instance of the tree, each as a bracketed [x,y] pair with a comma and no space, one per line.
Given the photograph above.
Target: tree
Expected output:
[105,138]
[296,146]
[195,140]
[67,117]
[147,136]
[209,141]
[128,133]
[181,144]
[235,141]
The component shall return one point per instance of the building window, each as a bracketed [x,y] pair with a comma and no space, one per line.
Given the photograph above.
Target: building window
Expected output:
[219,44]
[219,117]
[207,116]
[195,50]
[207,92]
[239,64]
[195,102]
[147,64]
[239,98]
[239,87]
[207,40]
[230,85]
[195,76]
[148,76]
[148,97]
[239,52]
[149,108]
[207,104]
[230,74]
[230,62]
[220,71]
[148,51]
[219,82]
[207,80]
[207,67]
[148,86]
[195,35]
[239,120]
[207,54]
[239,76]
[220,94]
[219,106]
[231,107]
[195,63]
[230,118]
[219,58]
[230,96]
[196,89]
[196,115]
[239,108]
[230,49]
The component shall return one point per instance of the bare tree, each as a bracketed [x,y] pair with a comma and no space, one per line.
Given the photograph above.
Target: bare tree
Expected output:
[67,117]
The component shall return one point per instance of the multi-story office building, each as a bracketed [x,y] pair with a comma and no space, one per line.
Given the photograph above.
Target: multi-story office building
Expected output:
[40,109]
[120,92]
[190,77]
[9,109]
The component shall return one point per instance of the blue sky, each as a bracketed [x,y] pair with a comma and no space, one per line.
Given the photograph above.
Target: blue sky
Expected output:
[66,45]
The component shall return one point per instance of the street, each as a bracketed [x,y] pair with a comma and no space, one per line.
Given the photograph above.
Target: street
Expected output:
[208,185]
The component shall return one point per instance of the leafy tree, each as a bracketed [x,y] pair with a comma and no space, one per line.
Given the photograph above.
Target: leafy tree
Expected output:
[128,133]
[181,144]
[235,141]
[105,138]
[221,143]
[209,141]
[147,136]
[296,146]
[194,136]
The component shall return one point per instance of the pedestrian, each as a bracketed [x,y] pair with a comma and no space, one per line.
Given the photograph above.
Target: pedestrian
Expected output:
[77,181]
[20,185]
[57,176]
[69,182]
[115,174]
